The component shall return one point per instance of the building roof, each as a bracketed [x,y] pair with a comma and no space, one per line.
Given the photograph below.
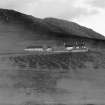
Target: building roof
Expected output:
[35,46]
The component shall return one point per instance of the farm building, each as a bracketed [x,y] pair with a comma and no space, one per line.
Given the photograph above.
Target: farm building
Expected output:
[58,45]
[34,48]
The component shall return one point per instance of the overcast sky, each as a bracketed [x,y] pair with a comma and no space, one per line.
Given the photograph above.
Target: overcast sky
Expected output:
[89,13]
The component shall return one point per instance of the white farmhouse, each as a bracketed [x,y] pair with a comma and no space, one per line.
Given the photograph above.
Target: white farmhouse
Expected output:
[34,48]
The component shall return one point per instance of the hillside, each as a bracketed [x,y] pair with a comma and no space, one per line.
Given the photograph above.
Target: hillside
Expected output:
[57,78]
[19,30]
[45,79]
[63,61]
[71,28]
[48,25]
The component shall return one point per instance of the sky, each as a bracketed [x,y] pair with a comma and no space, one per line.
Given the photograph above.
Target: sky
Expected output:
[89,13]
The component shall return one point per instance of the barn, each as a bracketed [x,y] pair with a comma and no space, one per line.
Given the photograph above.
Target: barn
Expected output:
[58,45]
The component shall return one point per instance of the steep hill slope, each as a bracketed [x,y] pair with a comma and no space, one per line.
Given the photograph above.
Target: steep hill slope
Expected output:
[18,30]
[36,79]
[68,27]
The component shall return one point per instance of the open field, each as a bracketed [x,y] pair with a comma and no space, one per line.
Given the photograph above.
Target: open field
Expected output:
[56,79]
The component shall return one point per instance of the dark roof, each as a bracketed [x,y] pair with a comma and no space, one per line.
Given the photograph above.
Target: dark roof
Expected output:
[35,46]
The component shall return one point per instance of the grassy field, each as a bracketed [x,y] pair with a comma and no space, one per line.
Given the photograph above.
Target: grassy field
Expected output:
[56,79]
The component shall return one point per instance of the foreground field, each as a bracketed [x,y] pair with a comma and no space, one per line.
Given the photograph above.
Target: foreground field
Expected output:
[56,79]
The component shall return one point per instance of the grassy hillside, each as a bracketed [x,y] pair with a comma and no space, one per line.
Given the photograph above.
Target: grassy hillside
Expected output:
[71,28]
[64,61]
[41,72]
[59,78]
[17,30]
[74,75]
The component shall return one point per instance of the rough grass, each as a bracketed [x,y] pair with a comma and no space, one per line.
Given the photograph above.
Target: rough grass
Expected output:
[47,73]
[63,61]
[41,72]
